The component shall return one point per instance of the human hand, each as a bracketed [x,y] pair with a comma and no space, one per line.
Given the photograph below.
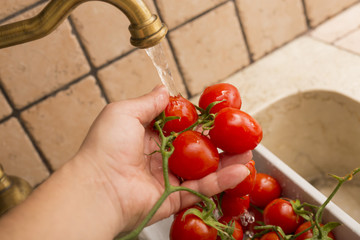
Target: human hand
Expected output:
[118,147]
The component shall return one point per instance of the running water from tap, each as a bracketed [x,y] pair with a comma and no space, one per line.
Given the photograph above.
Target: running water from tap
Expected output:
[160,62]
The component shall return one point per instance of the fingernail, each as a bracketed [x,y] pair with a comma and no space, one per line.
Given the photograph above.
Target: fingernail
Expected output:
[248,171]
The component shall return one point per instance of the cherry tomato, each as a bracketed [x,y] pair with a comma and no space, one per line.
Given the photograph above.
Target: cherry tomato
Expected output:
[266,189]
[279,212]
[234,206]
[235,131]
[309,233]
[180,107]
[247,185]
[238,233]
[270,236]
[191,227]
[194,156]
[219,92]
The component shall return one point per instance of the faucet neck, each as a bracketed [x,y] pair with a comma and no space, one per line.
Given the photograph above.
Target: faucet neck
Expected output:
[146,29]
[4,180]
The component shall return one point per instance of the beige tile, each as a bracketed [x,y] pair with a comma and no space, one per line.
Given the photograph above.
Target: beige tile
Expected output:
[351,42]
[60,123]
[175,12]
[270,24]
[9,7]
[31,70]
[104,30]
[18,155]
[135,75]
[210,48]
[338,26]
[5,109]
[320,10]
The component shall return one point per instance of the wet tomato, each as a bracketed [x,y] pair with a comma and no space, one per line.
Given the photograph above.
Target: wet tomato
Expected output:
[309,233]
[266,188]
[194,156]
[247,185]
[235,131]
[191,227]
[179,107]
[234,206]
[219,92]
[270,236]
[238,233]
[279,212]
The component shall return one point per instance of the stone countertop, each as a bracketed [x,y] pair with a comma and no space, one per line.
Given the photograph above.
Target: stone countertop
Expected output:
[302,65]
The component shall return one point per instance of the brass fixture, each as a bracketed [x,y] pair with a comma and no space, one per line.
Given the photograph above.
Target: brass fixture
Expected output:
[145,28]
[13,190]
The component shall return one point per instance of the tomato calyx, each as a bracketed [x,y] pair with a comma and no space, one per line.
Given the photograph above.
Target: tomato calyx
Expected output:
[228,231]
[272,228]
[207,118]
[225,231]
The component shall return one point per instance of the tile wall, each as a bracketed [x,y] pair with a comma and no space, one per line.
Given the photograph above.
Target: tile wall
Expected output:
[52,89]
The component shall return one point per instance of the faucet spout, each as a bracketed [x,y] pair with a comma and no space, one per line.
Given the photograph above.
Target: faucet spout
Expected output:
[145,28]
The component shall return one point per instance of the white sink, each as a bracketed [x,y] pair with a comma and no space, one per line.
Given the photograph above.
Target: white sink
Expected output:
[316,133]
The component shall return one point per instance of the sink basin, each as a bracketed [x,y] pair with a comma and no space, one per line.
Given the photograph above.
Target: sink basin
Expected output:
[293,186]
[315,133]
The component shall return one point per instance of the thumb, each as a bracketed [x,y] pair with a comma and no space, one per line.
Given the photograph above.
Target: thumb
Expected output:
[148,106]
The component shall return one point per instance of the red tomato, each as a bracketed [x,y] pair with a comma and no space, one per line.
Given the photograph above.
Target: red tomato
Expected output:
[309,233]
[238,233]
[183,108]
[247,185]
[270,236]
[219,92]
[266,189]
[191,227]
[234,206]
[235,131]
[279,212]
[194,156]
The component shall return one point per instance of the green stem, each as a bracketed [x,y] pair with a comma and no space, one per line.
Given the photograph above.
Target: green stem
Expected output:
[341,180]
[209,203]
[166,153]
[133,234]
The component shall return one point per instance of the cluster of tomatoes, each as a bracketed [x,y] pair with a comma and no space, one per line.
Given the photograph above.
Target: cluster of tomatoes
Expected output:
[218,123]
[222,125]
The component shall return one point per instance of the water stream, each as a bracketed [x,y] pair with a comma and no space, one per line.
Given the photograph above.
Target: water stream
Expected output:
[156,54]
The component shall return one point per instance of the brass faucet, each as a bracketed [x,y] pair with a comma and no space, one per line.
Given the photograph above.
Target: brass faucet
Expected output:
[13,190]
[145,28]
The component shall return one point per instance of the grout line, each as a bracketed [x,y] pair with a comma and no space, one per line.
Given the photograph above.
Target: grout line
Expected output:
[345,35]
[33,142]
[16,114]
[108,63]
[9,101]
[332,44]
[23,11]
[198,16]
[237,12]
[93,69]
[53,93]
[307,19]
[177,62]
[337,13]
